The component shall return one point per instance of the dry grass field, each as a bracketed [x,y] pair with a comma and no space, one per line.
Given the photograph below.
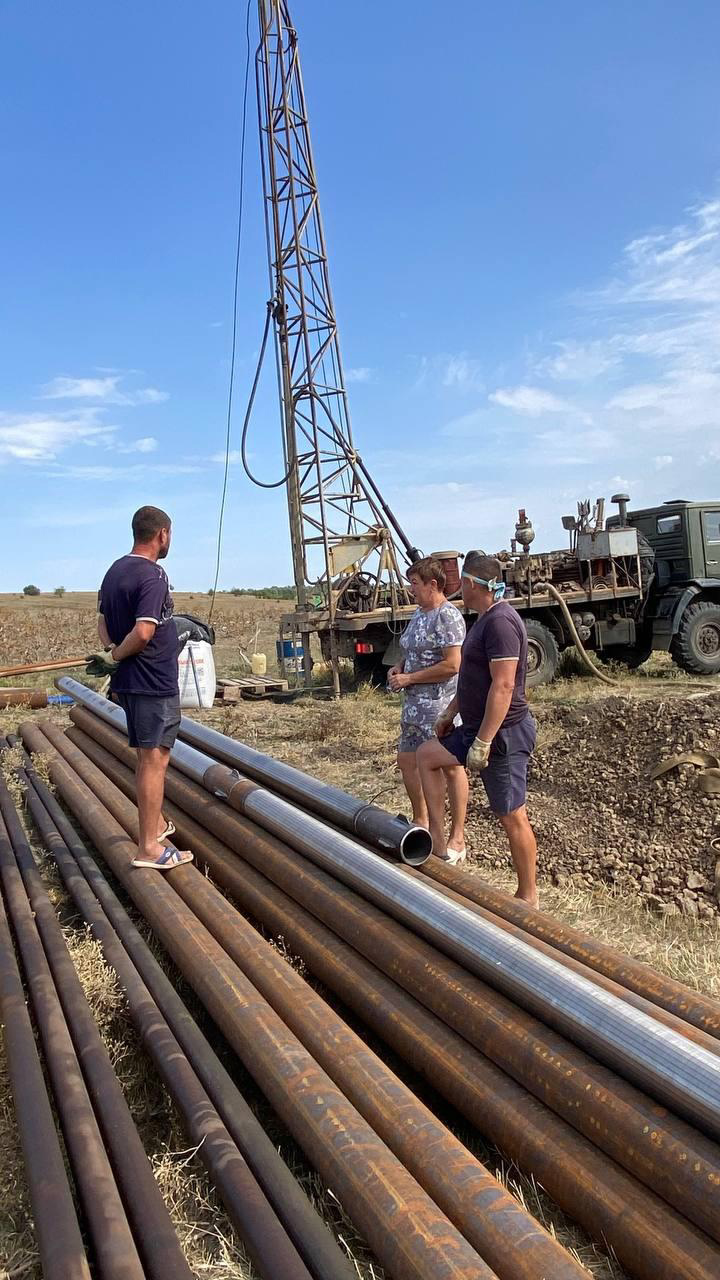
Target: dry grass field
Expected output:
[350,743]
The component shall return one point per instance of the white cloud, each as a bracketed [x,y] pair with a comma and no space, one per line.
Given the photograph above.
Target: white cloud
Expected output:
[662,460]
[40,438]
[461,371]
[578,362]
[147,444]
[235,456]
[530,400]
[106,390]
[360,374]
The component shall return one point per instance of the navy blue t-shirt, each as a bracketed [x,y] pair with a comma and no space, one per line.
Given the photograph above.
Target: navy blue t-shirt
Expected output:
[499,633]
[136,589]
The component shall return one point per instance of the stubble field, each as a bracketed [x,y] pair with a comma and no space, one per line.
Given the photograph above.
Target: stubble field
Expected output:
[602,828]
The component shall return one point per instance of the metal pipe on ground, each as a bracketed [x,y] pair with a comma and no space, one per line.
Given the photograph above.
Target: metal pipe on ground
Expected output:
[267,1244]
[679,1025]
[410,843]
[667,1155]
[34,699]
[694,1007]
[651,1240]
[675,997]
[512,1243]
[112,1241]
[680,1074]
[28,668]
[151,1224]
[55,1224]
[401,1223]
[311,1236]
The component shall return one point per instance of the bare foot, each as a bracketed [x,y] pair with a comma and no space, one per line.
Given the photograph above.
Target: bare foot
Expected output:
[531,901]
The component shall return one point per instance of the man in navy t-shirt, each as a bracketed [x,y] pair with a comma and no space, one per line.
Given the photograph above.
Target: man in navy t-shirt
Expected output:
[497,734]
[135,624]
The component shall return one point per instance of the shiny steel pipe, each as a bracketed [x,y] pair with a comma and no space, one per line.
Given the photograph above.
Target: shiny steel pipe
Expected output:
[265,1239]
[55,1224]
[679,1073]
[513,1244]
[113,1246]
[699,1010]
[650,1239]
[311,1236]
[671,1020]
[374,825]
[663,1152]
[147,1213]
[402,1225]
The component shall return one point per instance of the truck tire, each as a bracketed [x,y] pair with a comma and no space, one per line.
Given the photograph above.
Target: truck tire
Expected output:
[543,654]
[624,653]
[696,647]
[369,668]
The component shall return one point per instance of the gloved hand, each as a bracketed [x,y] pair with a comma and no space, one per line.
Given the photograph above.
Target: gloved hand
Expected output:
[101,665]
[478,755]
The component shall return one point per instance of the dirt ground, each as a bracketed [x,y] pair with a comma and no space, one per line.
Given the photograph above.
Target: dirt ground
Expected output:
[626,859]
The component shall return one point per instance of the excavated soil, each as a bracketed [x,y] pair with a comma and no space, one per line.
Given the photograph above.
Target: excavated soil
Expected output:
[597,815]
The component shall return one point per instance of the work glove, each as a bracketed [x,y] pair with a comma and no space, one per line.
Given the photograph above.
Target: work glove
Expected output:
[478,755]
[101,665]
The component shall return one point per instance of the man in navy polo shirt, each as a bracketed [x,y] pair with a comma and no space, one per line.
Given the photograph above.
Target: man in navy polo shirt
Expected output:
[135,624]
[497,734]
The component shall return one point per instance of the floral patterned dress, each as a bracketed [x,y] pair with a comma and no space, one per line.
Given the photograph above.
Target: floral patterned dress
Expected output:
[427,634]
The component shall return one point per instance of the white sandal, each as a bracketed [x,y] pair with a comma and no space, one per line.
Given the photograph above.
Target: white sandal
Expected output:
[453,856]
[169,831]
[169,858]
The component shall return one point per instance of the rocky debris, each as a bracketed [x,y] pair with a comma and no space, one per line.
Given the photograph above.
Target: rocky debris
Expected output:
[599,818]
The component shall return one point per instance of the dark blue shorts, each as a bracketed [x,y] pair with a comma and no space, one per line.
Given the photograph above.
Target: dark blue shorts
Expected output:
[505,777]
[151,722]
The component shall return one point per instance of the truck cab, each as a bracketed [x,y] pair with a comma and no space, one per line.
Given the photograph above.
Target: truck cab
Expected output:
[683,608]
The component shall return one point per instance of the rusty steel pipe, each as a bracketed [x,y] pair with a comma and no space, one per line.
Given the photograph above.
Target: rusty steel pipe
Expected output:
[29,667]
[679,1025]
[33,699]
[55,1224]
[267,1244]
[677,1072]
[487,1215]
[113,1244]
[692,1006]
[147,1213]
[401,1223]
[311,1236]
[651,1240]
[668,1156]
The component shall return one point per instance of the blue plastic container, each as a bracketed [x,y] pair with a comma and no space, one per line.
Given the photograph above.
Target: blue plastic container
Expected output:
[291,653]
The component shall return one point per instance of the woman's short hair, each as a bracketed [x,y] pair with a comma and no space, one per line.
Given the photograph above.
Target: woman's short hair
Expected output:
[426,570]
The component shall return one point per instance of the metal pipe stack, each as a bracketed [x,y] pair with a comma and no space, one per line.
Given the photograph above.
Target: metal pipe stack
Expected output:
[595,1076]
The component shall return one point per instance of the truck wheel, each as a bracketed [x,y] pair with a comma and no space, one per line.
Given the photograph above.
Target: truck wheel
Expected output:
[369,668]
[624,653]
[696,647]
[543,654]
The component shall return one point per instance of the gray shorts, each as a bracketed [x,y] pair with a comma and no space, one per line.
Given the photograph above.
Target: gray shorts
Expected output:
[151,722]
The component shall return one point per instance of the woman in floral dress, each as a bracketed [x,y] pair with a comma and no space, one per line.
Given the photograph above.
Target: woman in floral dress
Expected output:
[427,675]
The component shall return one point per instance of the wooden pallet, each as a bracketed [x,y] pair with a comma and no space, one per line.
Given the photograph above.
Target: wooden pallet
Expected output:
[248,687]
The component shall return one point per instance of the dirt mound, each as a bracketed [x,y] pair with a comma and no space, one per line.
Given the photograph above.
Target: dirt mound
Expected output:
[599,818]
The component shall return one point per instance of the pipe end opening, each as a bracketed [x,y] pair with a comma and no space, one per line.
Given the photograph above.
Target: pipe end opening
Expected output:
[415,846]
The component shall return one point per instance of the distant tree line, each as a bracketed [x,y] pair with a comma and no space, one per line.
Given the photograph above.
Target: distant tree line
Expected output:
[262,593]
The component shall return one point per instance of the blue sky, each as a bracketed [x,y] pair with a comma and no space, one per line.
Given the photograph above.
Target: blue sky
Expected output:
[522,206]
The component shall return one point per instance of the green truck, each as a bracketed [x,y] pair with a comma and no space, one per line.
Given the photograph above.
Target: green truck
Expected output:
[681,609]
